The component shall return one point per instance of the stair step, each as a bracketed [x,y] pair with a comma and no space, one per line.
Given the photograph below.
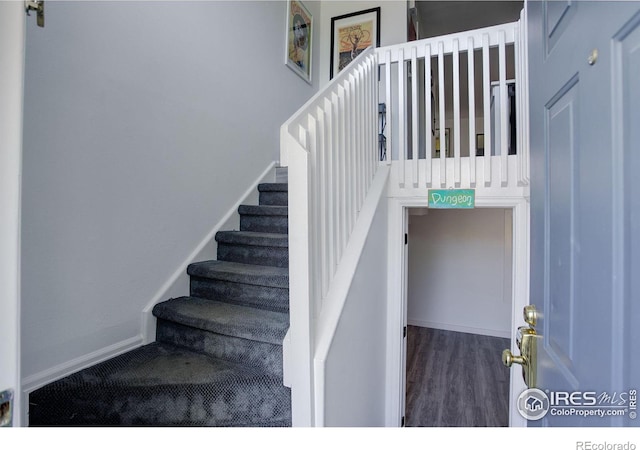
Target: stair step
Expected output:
[249,247]
[273,194]
[263,218]
[273,187]
[253,238]
[282,174]
[260,355]
[163,385]
[261,287]
[224,331]
[225,318]
[241,273]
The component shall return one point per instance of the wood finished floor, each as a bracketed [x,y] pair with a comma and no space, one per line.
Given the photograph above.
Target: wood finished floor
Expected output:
[455,379]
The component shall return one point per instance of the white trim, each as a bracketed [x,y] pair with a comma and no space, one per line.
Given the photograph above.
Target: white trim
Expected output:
[459,328]
[178,284]
[37,380]
[396,227]
[396,303]
[12,50]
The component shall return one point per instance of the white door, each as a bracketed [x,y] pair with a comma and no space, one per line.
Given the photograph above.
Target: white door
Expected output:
[12,32]
[584,62]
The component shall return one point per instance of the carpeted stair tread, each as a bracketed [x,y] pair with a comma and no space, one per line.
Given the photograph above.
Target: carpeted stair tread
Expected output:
[257,296]
[266,218]
[251,247]
[273,187]
[160,384]
[273,194]
[225,318]
[241,273]
[253,238]
[263,210]
[261,355]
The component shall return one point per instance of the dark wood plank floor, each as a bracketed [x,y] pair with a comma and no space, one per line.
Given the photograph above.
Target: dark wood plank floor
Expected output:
[455,379]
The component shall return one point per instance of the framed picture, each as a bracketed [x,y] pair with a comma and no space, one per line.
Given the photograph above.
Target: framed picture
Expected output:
[351,34]
[299,33]
[447,144]
[479,144]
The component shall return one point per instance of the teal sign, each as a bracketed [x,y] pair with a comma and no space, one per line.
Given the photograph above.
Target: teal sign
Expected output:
[452,198]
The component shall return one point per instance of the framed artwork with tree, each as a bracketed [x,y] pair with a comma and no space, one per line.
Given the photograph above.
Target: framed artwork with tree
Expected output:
[351,34]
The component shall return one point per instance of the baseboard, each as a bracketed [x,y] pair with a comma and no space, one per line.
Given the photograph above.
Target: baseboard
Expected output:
[178,284]
[459,328]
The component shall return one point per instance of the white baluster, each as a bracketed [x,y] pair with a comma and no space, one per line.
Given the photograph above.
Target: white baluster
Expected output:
[389,125]
[342,163]
[414,115]
[330,186]
[472,111]
[441,102]
[402,122]
[456,111]
[428,115]
[486,85]
[504,101]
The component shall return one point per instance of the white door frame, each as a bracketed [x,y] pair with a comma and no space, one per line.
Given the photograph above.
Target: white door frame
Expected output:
[12,44]
[397,297]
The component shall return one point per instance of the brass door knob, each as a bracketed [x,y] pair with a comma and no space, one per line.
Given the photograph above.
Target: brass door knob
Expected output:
[530,315]
[509,358]
[527,343]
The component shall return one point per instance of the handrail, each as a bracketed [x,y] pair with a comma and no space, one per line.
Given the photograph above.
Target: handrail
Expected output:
[331,148]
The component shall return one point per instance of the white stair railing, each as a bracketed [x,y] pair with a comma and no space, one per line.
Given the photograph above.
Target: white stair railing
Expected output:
[331,148]
[427,108]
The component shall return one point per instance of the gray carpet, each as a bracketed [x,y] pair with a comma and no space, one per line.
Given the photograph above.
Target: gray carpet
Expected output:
[217,359]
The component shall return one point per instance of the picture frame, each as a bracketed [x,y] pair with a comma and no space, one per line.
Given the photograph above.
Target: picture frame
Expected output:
[299,39]
[447,143]
[351,34]
[479,144]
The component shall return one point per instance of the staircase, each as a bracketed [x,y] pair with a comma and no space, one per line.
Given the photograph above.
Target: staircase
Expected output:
[217,359]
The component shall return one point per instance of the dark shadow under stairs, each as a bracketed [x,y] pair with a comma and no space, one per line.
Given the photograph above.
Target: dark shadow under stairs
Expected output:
[217,359]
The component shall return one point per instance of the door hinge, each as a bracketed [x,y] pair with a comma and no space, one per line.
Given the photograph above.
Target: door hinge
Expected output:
[406,238]
[402,422]
[38,7]
[404,332]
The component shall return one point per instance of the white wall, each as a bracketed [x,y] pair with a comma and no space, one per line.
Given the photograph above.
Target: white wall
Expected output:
[145,123]
[393,25]
[460,270]
[356,364]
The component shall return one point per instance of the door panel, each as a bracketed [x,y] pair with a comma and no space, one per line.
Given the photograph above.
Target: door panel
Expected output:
[561,154]
[584,102]
[557,15]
